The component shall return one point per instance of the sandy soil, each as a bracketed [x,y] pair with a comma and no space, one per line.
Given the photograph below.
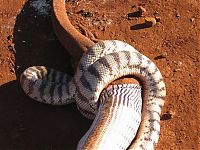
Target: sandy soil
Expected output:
[27,38]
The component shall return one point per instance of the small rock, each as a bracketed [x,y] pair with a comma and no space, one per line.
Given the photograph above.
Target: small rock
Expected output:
[168,115]
[102,28]
[155,13]
[178,63]
[177,14]
[11,47]
[75,1]
[177,66]
[176,70]
[86,13]
[12,70]
[190,74]
[157,19]
[192,19]
[10,37]
[150,21]
[69,13]
[133,6]
[162,55]
[141,10]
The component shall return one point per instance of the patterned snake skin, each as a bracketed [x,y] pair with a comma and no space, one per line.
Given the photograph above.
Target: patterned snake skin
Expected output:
[116,127]
[103,63]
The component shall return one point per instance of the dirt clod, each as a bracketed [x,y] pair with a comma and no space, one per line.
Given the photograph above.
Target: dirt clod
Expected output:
[11,47]
[192,19]
[178,14]
[10,37]
[85,13]
[142,10]
[157,19]
[163,55]
[12,70]
[155,13]
[166,116]
[150,21]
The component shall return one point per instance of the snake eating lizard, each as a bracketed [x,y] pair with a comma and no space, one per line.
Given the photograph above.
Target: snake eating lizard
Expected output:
[123,117]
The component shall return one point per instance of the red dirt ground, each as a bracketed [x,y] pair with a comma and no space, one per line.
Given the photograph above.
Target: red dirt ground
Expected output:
[28,39]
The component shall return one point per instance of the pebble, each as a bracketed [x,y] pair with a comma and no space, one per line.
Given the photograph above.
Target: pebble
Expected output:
[155,13]
[142,10]
[162,55]
[150,21]
[177,14]
[75,1]
[12,70]
[69,13]
[157,19]
[11,47]
[177,66]
[9,37]
[178,63]
[86,13]
[192,19]
[102,28]
[168,115]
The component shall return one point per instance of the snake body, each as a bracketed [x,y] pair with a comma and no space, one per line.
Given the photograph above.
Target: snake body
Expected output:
[102,64]
[117,120]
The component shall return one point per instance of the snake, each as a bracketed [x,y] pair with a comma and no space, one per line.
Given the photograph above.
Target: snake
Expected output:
[102,64]
[126,116]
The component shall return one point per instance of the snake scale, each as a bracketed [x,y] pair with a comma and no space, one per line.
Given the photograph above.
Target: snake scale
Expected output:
[102,64]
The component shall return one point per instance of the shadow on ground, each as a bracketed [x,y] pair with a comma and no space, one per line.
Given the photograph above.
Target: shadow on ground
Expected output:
[24,122]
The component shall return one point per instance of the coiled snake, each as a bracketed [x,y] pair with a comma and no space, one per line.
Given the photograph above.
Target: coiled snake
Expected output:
[103,63]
